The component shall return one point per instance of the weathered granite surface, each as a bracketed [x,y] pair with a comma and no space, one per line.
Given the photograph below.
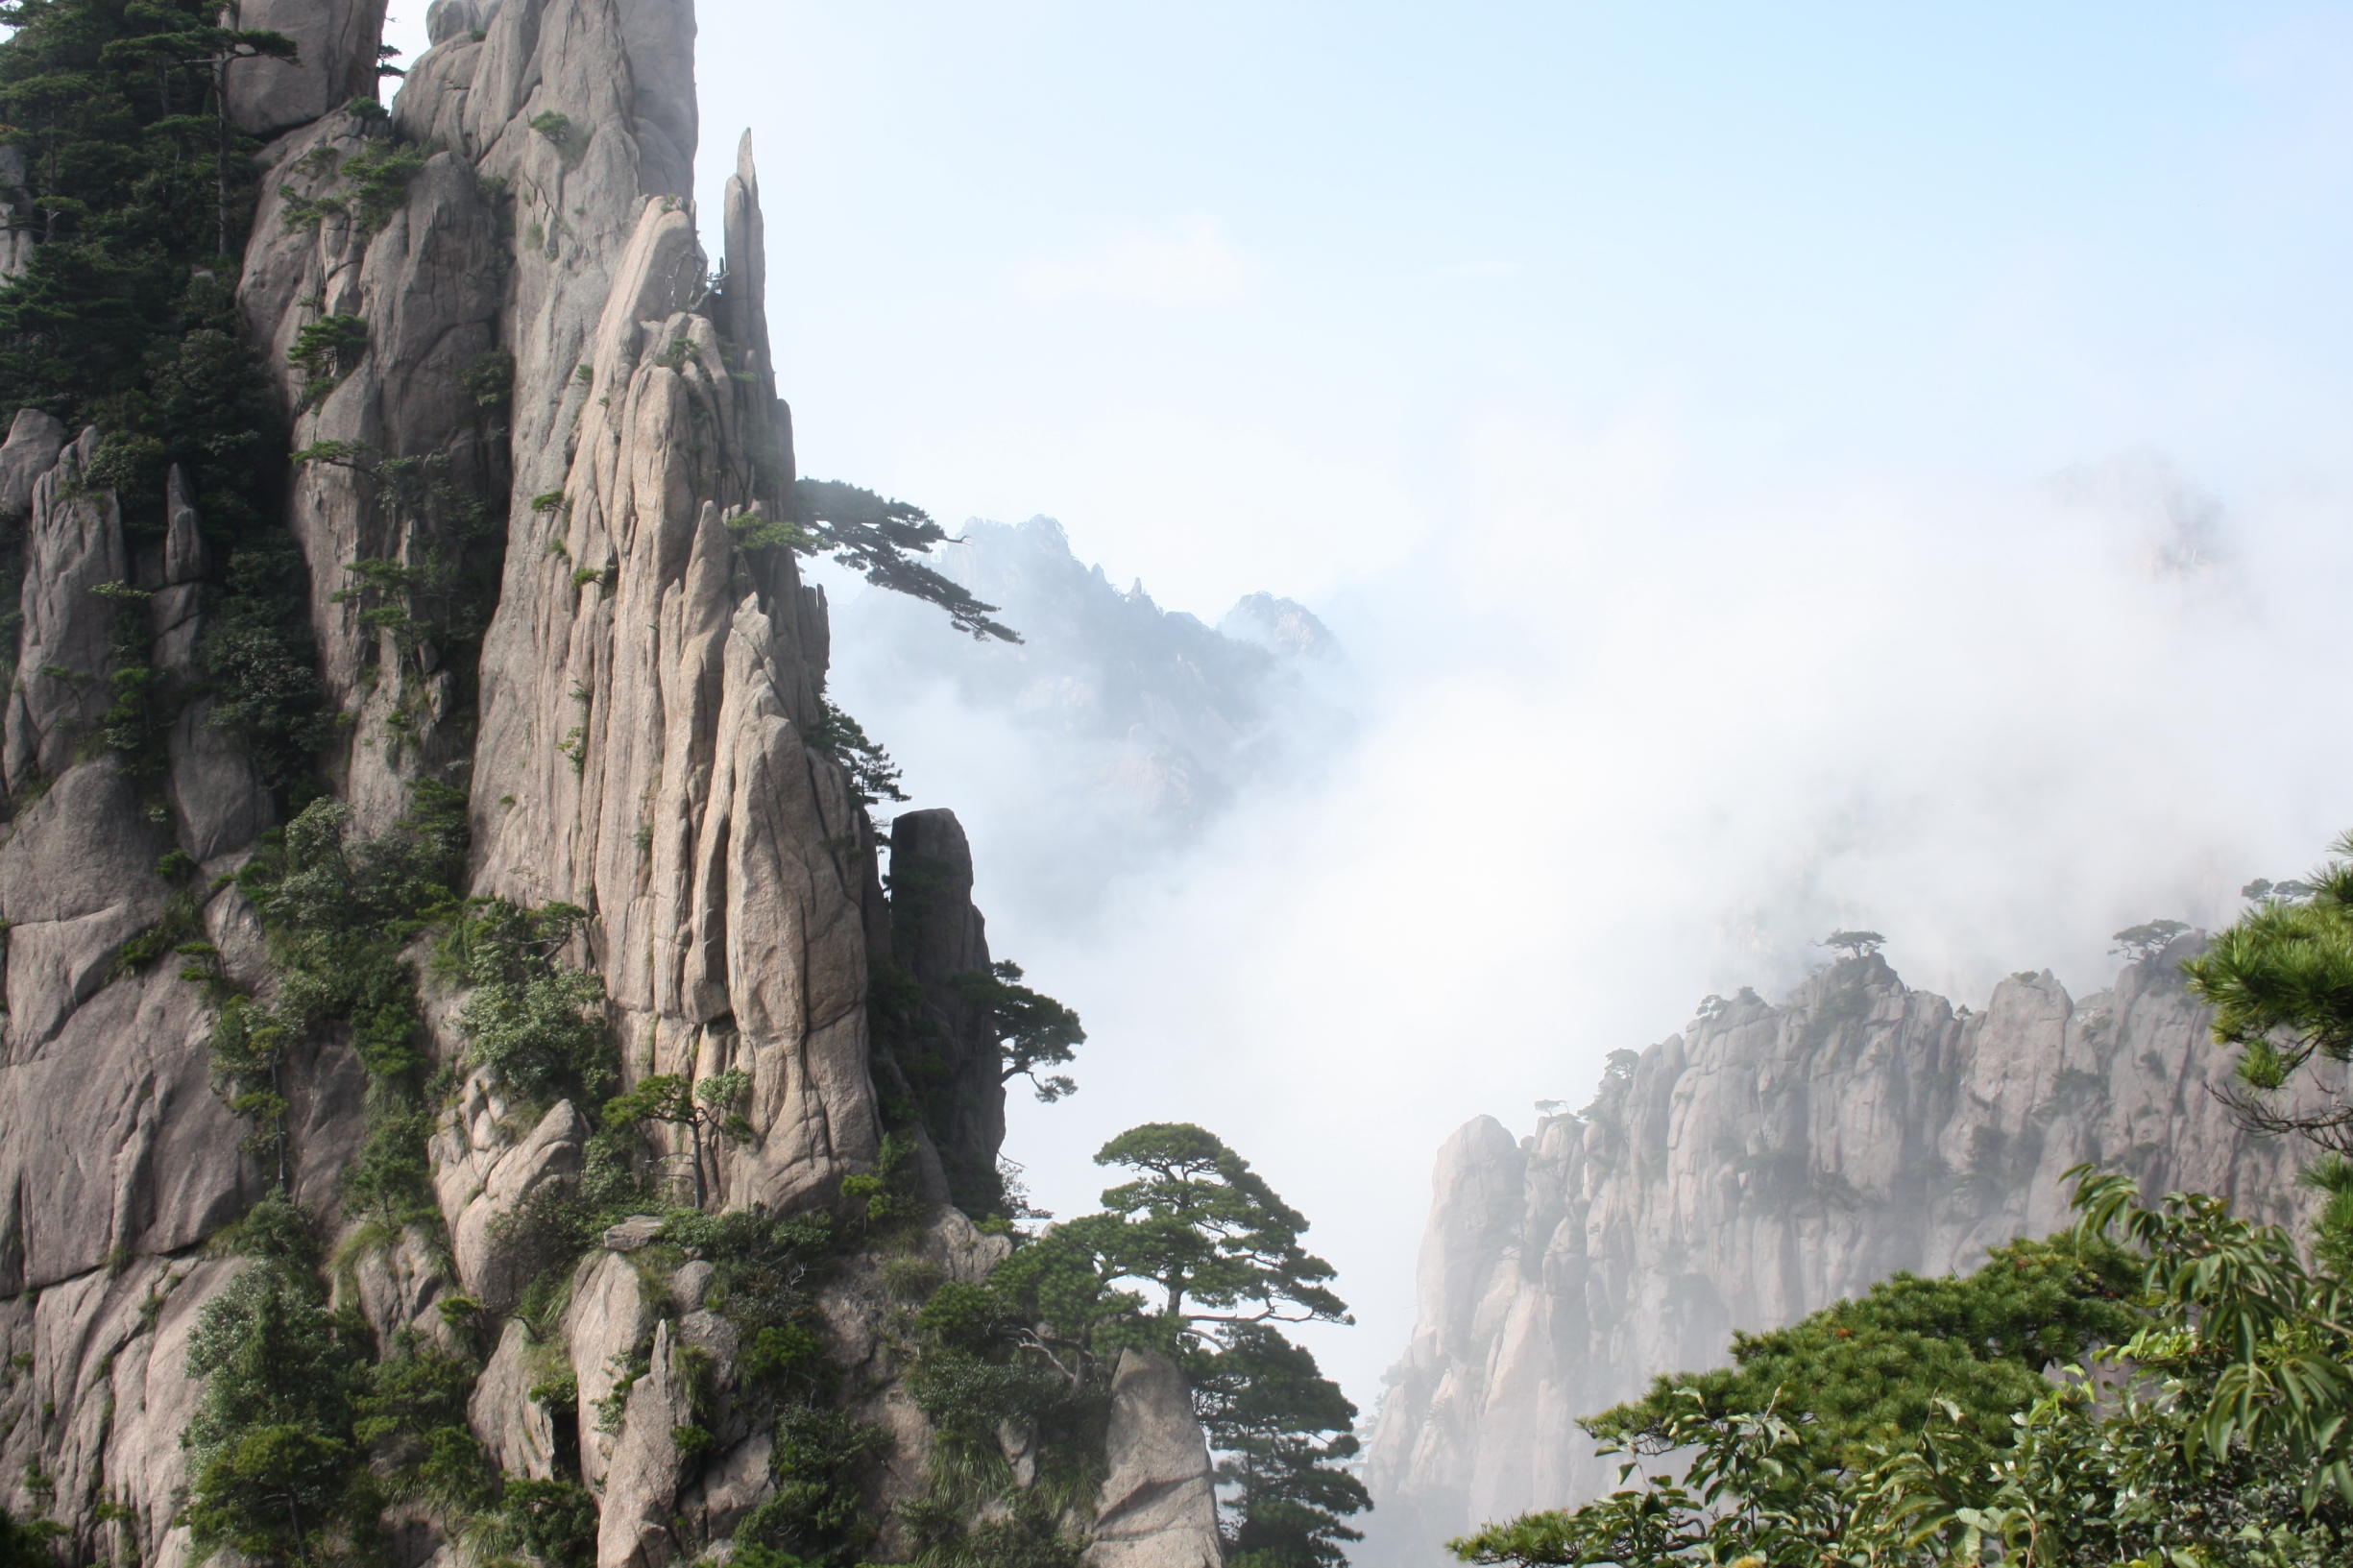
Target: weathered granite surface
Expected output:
[1767,1161]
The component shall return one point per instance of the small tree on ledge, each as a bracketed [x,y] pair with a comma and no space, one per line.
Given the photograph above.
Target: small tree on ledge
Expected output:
[1855,944]
[2142,943]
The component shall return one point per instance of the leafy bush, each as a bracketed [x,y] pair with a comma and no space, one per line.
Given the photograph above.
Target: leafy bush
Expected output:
[277,1473]
[554,1521]
[413,1417]
[819,1462]
[536,1023]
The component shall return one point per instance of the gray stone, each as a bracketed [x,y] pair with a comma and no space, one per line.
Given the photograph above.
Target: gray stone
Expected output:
[337,42]
[73,544]
[482,1177]
[447,19]
[714,1336]
[608,1317]
[183,539]
[397,1283]
[640,1487]
[1158,1505]
[636,1231]
[690,1284]
[736,1484]
[34,440]
[218,799]
[511,1424]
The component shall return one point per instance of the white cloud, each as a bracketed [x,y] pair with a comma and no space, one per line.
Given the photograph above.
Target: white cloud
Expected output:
[1195,267]
[1622,749]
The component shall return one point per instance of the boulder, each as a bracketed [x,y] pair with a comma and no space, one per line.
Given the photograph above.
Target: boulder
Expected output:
[73,544]
[1158,1507]
[511,1424]
[610,1315]
[336,42]
[34,440]
[490,1265]
[641,1486]
[636,1231]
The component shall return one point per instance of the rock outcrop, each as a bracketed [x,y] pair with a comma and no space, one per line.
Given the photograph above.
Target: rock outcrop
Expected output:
[1762,1164]
[1158,1505]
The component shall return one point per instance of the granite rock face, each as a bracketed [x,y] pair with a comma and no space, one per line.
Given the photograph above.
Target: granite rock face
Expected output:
[522,333]
[1159,1504]
[1753,1168]
[335,42]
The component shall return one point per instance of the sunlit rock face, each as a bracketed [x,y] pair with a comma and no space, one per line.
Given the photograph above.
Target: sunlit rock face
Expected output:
[1768,1160]
[632,738]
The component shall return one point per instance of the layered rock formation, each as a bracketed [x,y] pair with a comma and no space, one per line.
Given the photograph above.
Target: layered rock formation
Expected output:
[534,372]
[1754,1168]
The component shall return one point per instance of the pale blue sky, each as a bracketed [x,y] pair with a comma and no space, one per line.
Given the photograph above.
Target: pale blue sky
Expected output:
[1775,467]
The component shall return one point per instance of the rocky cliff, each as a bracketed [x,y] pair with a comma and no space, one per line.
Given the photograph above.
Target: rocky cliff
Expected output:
[503,360]
[1756,1167]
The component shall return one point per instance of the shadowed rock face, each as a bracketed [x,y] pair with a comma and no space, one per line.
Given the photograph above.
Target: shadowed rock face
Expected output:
[1764,1163]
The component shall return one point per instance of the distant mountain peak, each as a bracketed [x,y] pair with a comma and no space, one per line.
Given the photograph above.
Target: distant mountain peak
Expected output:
[1284,626]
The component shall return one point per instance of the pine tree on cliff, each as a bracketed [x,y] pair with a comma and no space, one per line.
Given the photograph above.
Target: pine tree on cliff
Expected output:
[1196,1256]
[2280,980]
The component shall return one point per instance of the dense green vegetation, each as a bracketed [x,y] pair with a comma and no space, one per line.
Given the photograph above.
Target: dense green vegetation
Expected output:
[2281,984]
[124,317]
[1867,1372]
[1195,1257]
[2205,1428]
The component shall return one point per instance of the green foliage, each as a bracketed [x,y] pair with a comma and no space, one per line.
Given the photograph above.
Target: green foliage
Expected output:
[434,594]
[179,923]
[2201,1424]
[2139,944]
[380,183]
[553,1521]
[489,378]
[336,912]
[392,1176]
[1203,1229]
[1855,944]
[1198,1258]
[1024,1532]
[25,1544]
[1867,1370]
[872,773]
[1616,1083]
[276,1473]
[2280,980]
[879,538]
[816,1514]
[1032,1030]
[257,660]
[536,1023]
[706,1110]
[554,124]
[1283,1431]
[413,1417]
[327,350]
[137,181]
